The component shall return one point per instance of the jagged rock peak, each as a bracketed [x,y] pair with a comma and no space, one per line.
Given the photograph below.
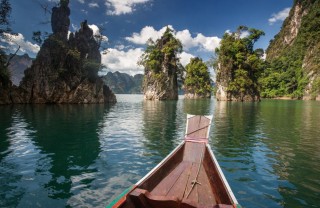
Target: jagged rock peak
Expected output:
[60,20]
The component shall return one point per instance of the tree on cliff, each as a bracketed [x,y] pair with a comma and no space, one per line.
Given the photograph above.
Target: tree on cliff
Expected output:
[162,67]
[5,11]
[293,55]
[197,83]
[238,65]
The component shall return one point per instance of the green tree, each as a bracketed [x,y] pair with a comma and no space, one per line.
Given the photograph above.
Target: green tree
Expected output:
[295,62]
[197,79]
[5,12]
[167,47]
[238,66]
[162,67]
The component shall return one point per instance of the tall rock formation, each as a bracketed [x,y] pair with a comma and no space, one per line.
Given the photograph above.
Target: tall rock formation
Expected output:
[65,70]
[238,66]
[197,83]
[295,50]
[162,68]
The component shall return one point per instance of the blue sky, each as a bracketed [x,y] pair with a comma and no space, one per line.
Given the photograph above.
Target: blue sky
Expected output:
[127,24]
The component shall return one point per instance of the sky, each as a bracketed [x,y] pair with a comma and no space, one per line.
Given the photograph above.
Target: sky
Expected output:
[126,25]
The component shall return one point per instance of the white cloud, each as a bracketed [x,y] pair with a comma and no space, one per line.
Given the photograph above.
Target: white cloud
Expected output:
[228,31]
[145,34]
[199,41]
[96,32]
[84,11]
[93,5]
[280,16]
[14,41]
[185,58]
[121,60]
[244,34]
[81,1]
[186,39]
[119,7]
[74,27]
[120,47]
[207,43]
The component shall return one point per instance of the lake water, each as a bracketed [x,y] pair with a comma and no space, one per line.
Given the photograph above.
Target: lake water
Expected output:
[85,155]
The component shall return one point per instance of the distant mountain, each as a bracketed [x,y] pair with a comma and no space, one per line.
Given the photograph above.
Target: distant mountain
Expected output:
[122,83]
[18,64]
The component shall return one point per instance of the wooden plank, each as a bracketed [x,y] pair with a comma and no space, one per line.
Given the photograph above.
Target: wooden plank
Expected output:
[178,190]
[206,196]
[168,182]
[198,126]
[193,196]
[217,184]
[192,151]
[161,171]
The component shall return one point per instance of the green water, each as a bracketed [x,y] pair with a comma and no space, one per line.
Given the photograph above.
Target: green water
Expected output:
[85,155]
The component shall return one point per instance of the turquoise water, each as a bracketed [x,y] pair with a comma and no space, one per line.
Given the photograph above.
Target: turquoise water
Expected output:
[85,155]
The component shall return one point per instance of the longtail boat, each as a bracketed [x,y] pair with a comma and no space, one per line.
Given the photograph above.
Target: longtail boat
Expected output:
[188,177]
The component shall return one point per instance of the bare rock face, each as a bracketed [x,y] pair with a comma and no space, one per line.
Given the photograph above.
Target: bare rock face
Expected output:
[60,21]
[197,96]
[65,71]
[161,87]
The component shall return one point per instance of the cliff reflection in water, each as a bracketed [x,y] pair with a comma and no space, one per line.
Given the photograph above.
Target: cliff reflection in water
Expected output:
[160,128]
[198,106]
[68,134]
[61,143]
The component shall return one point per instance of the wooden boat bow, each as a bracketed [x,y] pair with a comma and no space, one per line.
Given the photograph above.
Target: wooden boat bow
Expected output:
[188,177]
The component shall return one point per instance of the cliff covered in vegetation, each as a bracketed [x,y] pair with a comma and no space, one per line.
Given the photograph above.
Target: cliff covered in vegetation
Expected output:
[293,56]
[162,68]
[238,66]
[197,83]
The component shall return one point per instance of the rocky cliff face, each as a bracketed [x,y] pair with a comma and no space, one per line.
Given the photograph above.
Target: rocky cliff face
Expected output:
[163,86]
[65,70]
[122,83]
[162,68]
[17,66]
[298,42]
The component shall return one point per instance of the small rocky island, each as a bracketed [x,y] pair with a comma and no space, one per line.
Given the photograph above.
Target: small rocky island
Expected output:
[238,66]
[197,83]
[65,69]
[162,68]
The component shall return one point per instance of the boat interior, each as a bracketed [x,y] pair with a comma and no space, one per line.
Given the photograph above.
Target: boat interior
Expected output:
[188,177]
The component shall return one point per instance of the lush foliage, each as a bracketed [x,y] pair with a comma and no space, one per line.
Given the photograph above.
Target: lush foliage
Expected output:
[5,11]
[163,50]
[238,66]
[290,64]
[197,77]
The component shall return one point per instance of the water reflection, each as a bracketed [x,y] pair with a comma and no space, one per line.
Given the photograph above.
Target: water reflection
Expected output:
[18,163]
[68,134]
[160,128]
[61,151]
[198,106]
[238,143]
[297,183]
[84,156]
[5,123]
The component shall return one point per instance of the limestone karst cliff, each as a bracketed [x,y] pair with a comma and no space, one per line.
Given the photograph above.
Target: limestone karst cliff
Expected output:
[197,83]
[238,66]
[162,68]
[65,69]
[294,53]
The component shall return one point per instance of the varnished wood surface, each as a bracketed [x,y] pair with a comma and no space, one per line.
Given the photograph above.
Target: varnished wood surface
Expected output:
[171,183]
